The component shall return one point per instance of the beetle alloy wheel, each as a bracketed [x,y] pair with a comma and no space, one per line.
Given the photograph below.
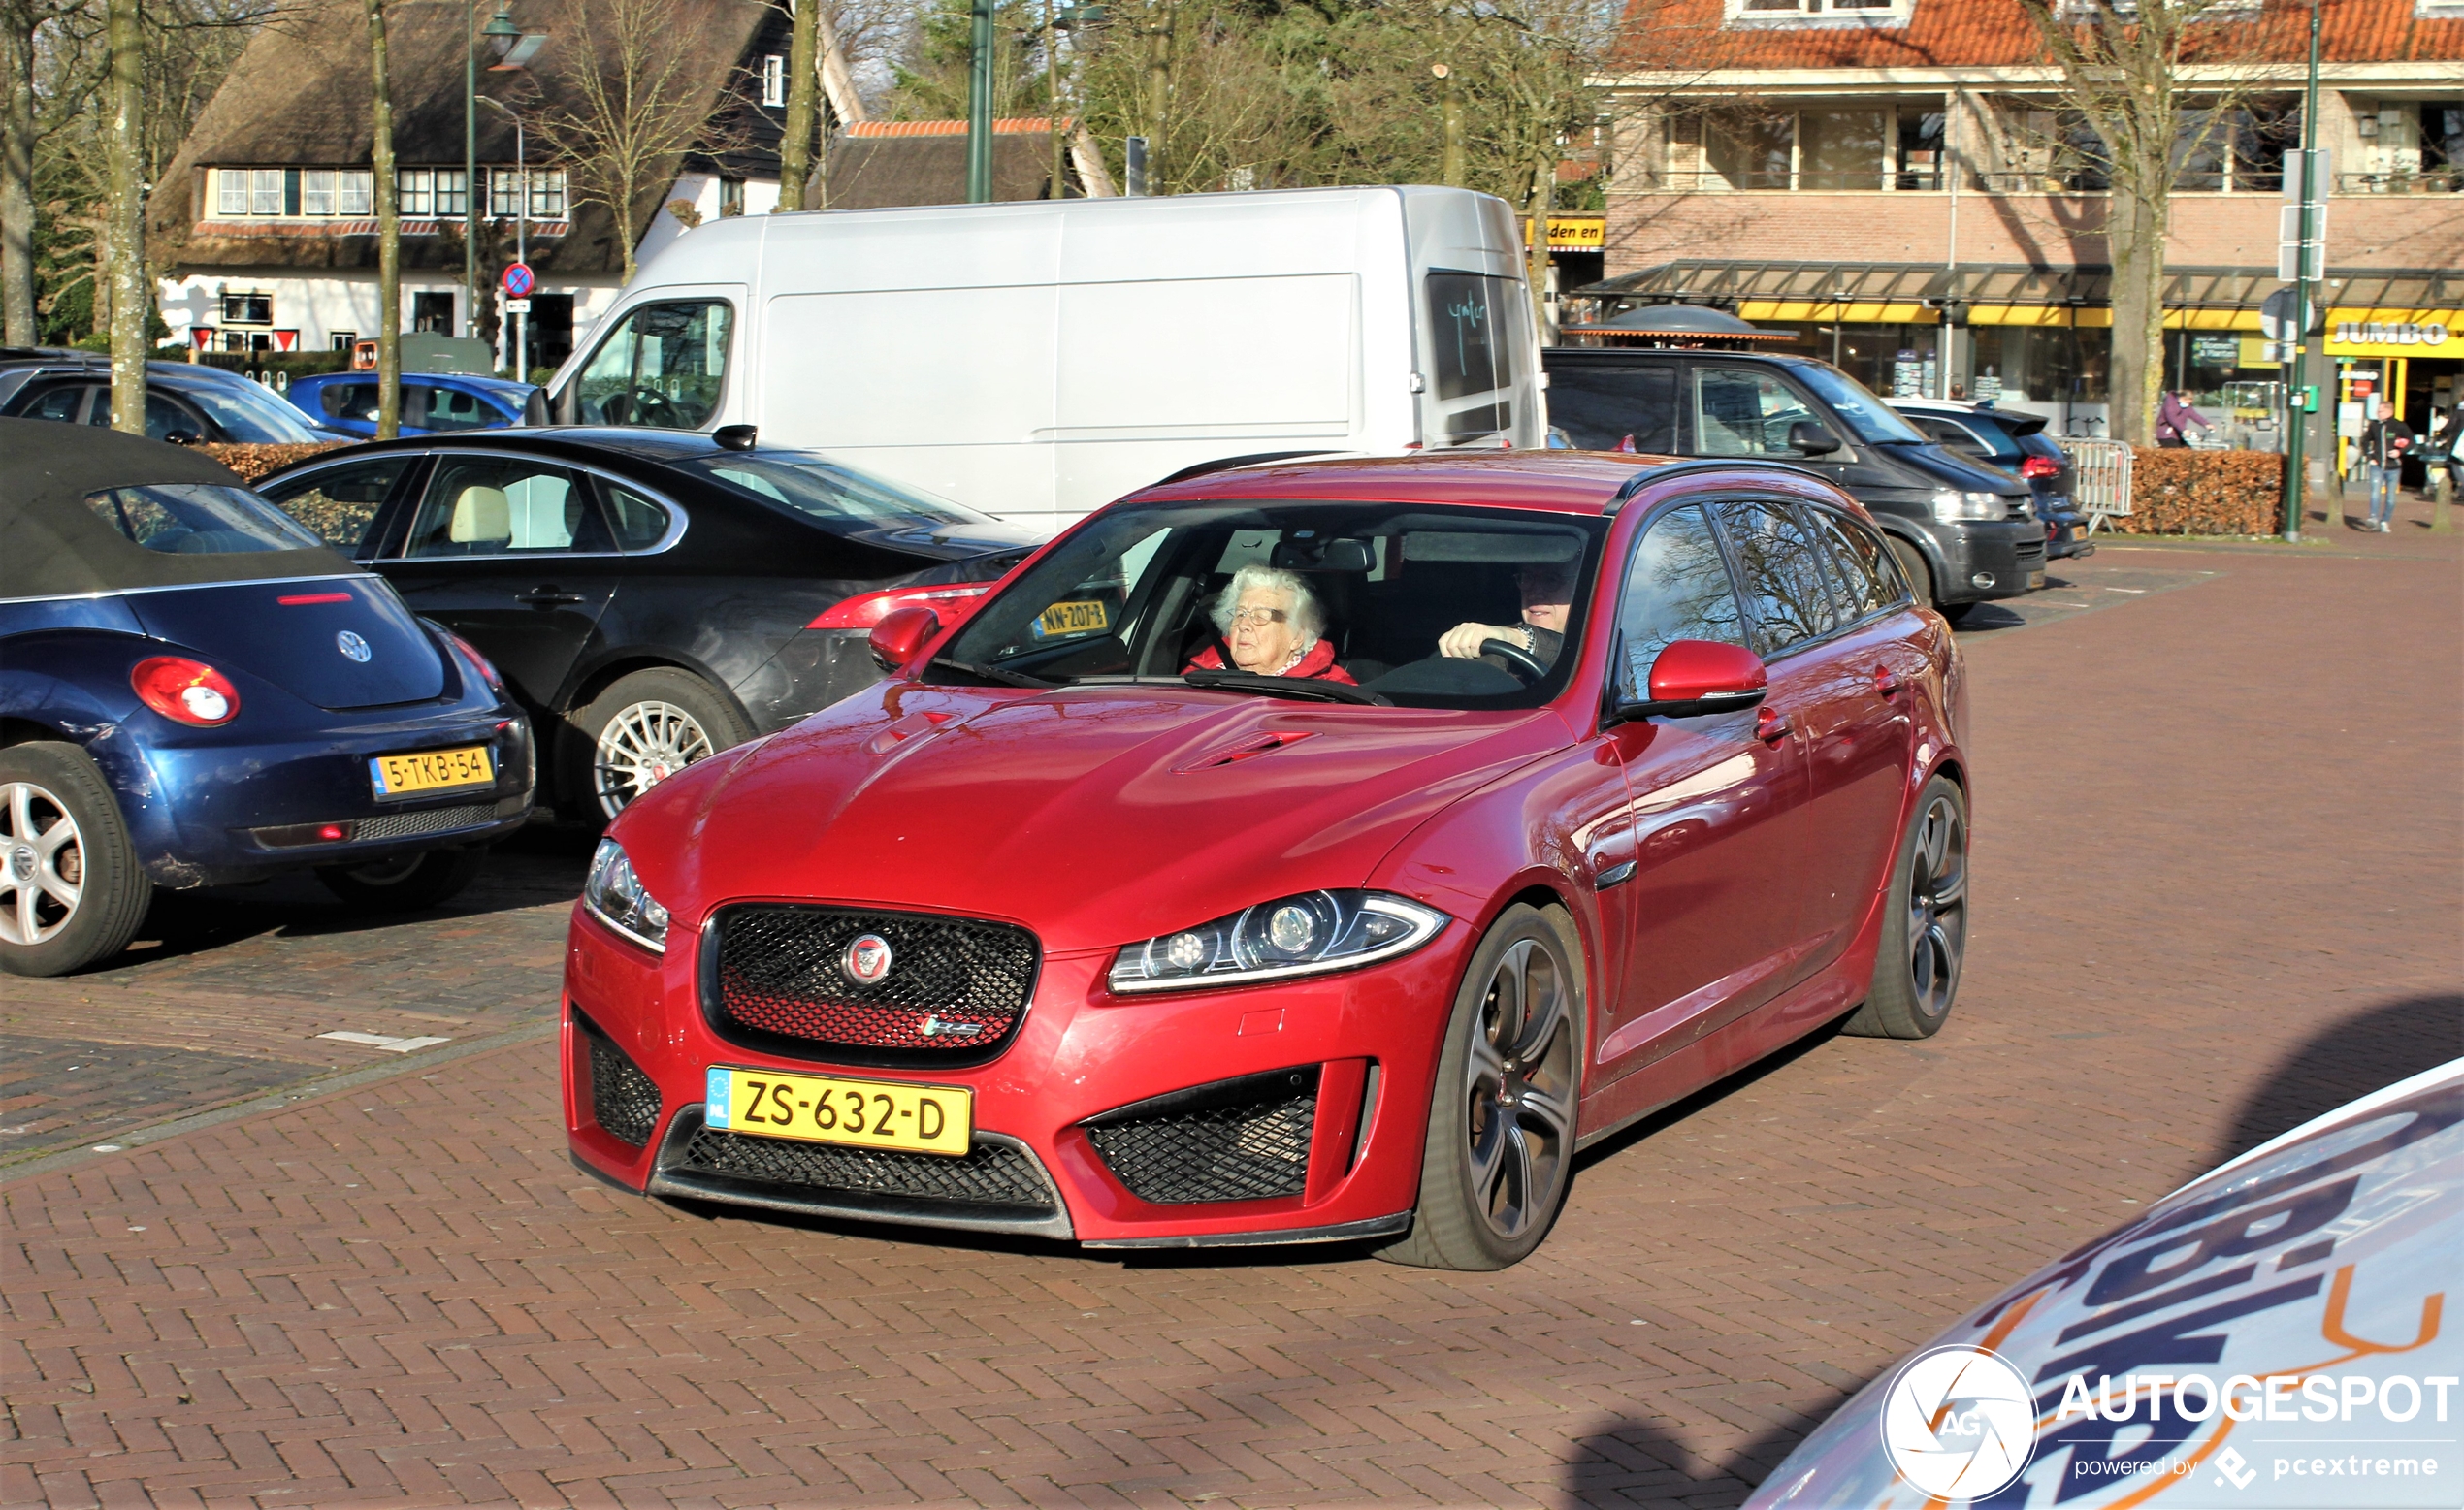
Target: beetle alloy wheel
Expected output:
[1937,907]
[1520,1082]
[41,864]
[640,747]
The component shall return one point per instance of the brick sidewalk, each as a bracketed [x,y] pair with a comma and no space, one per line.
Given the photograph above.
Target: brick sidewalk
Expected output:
[2216,888]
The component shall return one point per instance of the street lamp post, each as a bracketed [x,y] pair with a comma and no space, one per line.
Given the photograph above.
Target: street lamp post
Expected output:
[498,25]
[2297,412]
[521,235]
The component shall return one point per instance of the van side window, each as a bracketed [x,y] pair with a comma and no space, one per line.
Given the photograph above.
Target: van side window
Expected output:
[1467,311]
[1741,412]
[663,365]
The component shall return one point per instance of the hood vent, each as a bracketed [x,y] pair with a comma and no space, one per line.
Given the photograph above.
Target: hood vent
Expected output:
[1264,744]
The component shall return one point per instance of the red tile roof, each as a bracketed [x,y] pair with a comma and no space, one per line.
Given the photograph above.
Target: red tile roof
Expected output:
[1689,35]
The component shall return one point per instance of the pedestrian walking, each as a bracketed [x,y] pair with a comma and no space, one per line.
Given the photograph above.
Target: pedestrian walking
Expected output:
[2446,448]
[2382,448]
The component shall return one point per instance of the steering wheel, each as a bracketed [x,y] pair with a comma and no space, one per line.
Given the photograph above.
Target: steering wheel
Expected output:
[1525,665]
[649,404]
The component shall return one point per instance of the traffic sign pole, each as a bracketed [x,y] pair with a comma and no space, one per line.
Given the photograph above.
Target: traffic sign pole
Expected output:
[2297,393]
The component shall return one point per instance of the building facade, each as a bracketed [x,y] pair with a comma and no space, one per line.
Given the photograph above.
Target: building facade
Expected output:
[1898,185]
[266,221]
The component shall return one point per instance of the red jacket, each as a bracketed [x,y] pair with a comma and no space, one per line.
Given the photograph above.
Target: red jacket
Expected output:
[1318,665]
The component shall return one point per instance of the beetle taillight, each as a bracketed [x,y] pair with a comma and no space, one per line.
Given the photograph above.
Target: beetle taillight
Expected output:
[185,692]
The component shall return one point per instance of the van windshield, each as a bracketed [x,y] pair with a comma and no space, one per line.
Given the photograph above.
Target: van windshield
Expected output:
[1874,421]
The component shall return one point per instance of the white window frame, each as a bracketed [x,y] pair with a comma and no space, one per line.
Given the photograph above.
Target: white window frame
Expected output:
[265,191]
[231,191]
[547,193]
[317,191]
[355,191]
[773,80]
[415,192]
[1817,13]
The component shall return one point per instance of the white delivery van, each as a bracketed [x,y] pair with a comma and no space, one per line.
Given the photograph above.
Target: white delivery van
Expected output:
[1037,359]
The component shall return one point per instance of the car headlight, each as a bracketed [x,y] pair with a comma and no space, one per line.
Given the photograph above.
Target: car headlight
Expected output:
[616,897]
[1951,503]
[1309,934]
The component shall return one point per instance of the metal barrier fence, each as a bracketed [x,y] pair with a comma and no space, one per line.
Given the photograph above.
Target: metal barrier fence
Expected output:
[2100,484]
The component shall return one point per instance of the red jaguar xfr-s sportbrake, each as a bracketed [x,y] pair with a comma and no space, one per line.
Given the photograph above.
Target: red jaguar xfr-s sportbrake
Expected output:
[1592,779]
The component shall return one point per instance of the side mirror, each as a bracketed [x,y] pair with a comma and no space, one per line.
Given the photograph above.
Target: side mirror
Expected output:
[1695,677]
[901,635]
[1812,438]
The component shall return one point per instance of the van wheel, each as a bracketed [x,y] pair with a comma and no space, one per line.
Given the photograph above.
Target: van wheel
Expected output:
[1913,567]
[409,883]
[1916,973]
[71,889]
[1500,1151]
[643,729]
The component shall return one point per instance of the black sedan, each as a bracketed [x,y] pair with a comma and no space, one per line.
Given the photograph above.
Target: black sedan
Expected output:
[652,596]
[2016,442]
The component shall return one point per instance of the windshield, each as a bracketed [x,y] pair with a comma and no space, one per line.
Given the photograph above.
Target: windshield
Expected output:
[1414,604]
[1873,420]
[839,499]
[198,519]
[249,414]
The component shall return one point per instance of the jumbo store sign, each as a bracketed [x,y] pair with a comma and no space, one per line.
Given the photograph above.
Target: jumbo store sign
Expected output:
[2370,333]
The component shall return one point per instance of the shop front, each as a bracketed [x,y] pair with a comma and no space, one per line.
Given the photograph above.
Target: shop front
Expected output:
[2411,358]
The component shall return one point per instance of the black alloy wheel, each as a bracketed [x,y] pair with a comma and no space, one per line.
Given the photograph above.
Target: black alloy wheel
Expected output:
[1500,1150]
[1916,975]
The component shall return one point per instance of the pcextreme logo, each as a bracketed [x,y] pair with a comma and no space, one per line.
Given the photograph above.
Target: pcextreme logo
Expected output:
[1958,1423]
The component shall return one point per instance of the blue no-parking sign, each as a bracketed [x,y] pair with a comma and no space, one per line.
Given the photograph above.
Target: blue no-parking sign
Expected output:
[518,280]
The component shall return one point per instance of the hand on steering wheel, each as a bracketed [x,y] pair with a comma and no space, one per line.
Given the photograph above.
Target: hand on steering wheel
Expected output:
[1525,665]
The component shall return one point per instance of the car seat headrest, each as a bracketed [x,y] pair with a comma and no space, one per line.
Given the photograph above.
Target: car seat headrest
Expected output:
[480,513]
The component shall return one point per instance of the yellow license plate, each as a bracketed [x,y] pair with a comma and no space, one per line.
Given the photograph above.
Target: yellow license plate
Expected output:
[822,1108]
[432,770]
[1074,619]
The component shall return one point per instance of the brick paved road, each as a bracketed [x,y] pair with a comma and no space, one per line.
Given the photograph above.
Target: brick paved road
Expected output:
[2217,889]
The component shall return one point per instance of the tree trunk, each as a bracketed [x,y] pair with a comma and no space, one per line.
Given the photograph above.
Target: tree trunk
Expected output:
[624,224]
[2135,235]
[17,178]
[389,238]
[125,215]
[803,87]
[1537,205]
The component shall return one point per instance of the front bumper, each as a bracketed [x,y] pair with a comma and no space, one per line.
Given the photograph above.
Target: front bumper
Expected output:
[1364,1042]
[1981,560]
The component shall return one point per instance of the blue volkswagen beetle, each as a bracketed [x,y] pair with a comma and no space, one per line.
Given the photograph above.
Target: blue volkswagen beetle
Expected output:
[195,692]
[431,402]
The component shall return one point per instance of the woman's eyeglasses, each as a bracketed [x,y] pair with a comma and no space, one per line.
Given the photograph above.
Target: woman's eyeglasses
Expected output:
[1257,618]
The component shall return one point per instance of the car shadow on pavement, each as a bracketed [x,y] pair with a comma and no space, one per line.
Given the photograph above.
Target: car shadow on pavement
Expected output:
[1709,1096]
[2344,1059]
[1632,1462]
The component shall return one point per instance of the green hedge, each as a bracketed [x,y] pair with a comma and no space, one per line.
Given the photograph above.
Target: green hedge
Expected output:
[2178,490]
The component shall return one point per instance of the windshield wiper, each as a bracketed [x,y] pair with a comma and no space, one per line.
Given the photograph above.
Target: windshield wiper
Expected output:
[1308,689]
[993,673]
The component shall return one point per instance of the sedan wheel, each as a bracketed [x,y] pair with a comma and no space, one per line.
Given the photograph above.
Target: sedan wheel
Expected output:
[1925,928]
[644,729]
[71,889]
[1501,1139]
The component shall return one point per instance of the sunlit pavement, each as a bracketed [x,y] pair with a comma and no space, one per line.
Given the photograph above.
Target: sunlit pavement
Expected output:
[2218,823]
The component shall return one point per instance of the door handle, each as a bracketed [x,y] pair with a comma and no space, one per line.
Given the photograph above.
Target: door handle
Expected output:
[1885,681]
[545,596]
[1772,727]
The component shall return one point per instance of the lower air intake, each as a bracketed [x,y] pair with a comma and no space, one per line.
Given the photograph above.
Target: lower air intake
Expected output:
[1243,1140]
[623,1101]
[990,1175]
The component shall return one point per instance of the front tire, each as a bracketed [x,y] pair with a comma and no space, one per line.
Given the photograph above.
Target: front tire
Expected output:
[645,728]
[1913,567]
[71,888]
[410,884]
[1916,973]
[1500,1150]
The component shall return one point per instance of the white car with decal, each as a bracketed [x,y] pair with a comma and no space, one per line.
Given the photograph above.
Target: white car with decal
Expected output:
[2272,1334]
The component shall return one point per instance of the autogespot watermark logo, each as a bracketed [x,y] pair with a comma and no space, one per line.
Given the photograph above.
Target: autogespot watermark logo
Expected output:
[1958,1423]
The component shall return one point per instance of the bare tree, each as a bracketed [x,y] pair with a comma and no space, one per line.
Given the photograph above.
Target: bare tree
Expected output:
[19,22]
[803,87]
[125,242]
[642,100]
[2122,64]
[389,235]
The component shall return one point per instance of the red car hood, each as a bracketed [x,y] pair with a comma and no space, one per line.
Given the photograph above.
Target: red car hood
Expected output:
[1094,815]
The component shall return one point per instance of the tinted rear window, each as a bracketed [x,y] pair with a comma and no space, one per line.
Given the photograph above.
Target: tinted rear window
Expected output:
[1598,406]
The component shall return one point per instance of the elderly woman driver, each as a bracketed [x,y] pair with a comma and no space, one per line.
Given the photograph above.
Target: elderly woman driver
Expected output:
[1272,623]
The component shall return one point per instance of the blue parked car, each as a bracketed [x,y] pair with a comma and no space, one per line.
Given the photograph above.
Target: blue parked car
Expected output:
[182,402]
[431,402]
[194,691]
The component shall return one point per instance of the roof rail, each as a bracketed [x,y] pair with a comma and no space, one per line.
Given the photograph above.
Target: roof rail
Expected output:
[1648,476]
[1226,462]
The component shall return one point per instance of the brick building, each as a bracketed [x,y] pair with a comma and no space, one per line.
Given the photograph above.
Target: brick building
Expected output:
[265,223]
[1896,183]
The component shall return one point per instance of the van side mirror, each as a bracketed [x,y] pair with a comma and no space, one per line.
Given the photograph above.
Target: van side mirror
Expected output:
[1695,677]
[901,635]
[1812,438]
